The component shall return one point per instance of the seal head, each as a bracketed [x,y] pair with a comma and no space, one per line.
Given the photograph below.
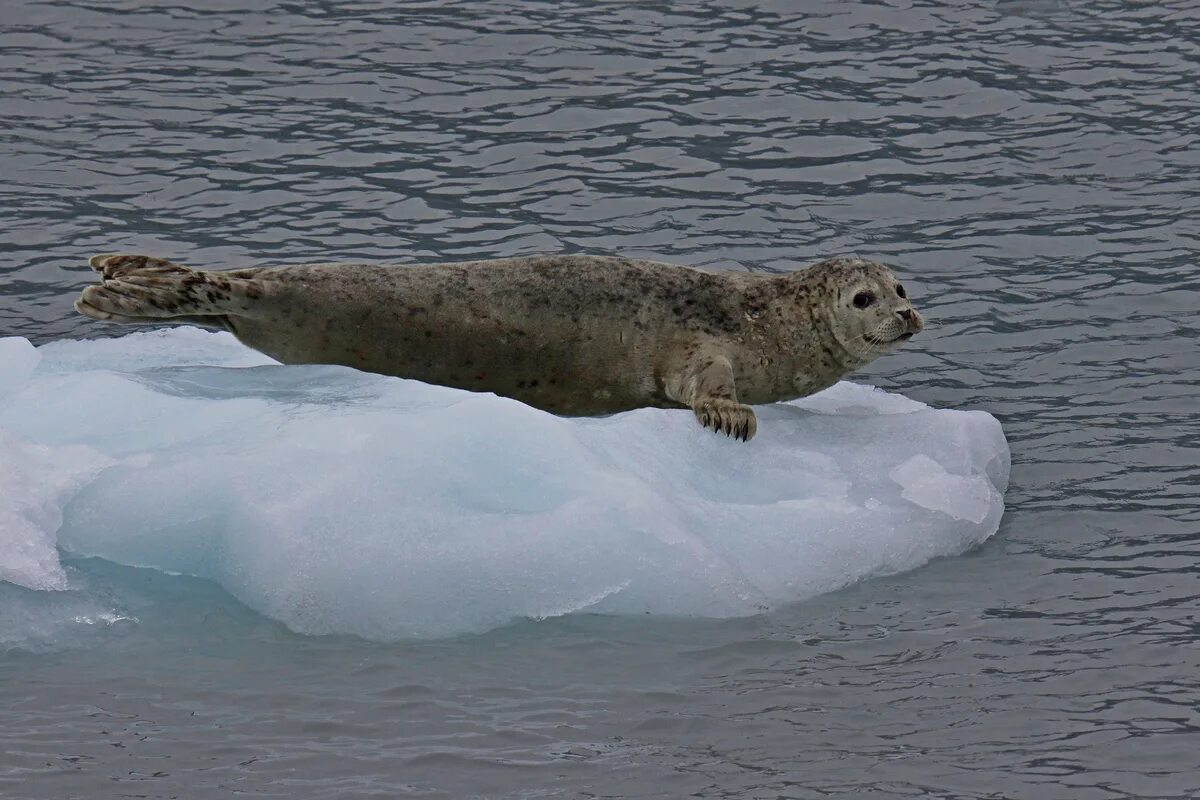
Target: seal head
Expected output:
[867,310]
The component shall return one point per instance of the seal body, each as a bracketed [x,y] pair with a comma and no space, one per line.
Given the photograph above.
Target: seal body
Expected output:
[570,334]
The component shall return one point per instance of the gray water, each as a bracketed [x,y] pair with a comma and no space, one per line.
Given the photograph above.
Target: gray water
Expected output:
[1032,169]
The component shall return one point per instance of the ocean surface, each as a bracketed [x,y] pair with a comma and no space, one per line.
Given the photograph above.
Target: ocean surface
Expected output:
[1031,168]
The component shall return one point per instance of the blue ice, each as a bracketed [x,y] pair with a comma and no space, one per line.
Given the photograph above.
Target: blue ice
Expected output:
[341,502]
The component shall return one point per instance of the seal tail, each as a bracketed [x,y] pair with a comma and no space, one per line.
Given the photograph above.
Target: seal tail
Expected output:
[146,290]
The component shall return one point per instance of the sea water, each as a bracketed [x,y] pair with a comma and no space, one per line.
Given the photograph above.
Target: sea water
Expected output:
[1028,167]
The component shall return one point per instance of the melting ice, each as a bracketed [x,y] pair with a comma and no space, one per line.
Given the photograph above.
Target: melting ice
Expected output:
[337,501]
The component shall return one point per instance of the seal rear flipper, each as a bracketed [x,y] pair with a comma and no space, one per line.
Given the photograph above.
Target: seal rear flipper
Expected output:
[116,265]
[146,290]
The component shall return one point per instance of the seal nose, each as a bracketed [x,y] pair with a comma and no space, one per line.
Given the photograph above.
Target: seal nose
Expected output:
[912,320]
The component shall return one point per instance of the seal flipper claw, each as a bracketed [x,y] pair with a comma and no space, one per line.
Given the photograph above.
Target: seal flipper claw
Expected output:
[709,390]
[735,420]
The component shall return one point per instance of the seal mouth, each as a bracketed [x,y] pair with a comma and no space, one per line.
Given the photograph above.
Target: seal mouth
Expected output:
[904,337]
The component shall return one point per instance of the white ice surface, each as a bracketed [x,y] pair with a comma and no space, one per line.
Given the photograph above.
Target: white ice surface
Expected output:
[337,501]
[18,359]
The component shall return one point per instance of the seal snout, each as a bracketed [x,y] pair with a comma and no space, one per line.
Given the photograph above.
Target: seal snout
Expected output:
[913,323]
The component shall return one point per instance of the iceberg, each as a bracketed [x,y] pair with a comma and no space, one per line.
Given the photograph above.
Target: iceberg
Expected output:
[337,501]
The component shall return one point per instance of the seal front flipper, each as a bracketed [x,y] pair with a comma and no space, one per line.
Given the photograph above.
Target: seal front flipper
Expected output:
[146,290]
[707,387]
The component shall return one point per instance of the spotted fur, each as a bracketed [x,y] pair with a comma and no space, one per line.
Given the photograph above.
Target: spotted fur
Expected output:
[574,335]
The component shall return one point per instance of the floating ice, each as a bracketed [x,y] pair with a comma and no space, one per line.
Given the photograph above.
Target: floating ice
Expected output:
[35,482]
[18,359]
[338,501]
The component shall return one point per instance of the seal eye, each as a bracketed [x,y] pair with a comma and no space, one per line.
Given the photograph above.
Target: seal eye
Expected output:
[900,291]
[863,299]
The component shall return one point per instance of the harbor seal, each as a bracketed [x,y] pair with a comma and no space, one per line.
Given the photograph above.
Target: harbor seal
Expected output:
[574,335]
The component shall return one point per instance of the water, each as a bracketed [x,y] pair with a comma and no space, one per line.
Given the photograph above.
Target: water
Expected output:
[1031,168]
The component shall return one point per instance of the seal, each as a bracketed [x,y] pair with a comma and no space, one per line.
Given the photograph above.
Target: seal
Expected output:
[575,335]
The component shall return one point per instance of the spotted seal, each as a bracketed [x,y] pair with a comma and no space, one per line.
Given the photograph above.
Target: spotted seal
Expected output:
[575,335]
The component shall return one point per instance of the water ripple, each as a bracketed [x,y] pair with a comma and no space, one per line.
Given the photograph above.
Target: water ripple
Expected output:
[1031,166]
